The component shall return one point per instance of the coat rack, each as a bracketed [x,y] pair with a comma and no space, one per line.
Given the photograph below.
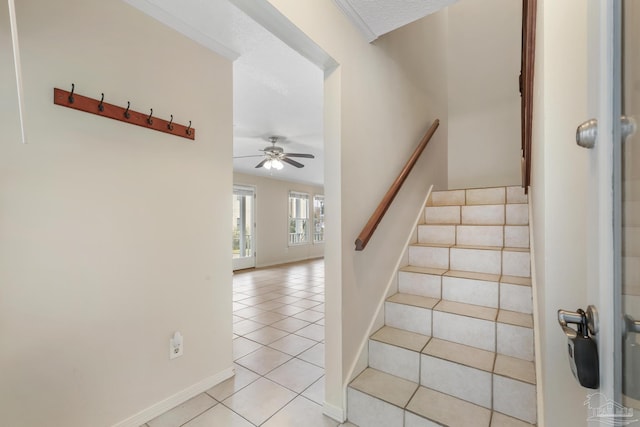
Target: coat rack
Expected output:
[101,108]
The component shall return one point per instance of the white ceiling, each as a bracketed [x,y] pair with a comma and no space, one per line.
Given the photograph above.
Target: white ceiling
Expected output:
[377,17]
[276,91]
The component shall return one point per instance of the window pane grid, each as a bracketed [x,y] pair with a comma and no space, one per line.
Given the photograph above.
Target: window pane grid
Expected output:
[298,218]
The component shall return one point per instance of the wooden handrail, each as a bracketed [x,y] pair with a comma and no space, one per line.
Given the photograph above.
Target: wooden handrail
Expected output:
[378,214]
[527,66]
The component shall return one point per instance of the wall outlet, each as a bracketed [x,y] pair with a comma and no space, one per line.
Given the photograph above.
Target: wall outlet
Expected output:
[176,346]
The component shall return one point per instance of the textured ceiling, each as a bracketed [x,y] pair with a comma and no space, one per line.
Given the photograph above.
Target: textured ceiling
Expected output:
[276,91]
[377,17]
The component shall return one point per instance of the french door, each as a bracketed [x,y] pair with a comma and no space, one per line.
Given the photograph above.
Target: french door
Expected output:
[614,33]
[243,227]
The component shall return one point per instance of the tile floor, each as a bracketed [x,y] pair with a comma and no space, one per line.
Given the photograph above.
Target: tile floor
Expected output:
[278,353]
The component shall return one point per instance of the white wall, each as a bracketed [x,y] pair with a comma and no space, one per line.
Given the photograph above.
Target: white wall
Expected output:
[484,102]
[113,236]
[272,211]
[378,104]
[559,196]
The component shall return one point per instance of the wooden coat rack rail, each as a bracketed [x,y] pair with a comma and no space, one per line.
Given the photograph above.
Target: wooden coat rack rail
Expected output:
[101,108]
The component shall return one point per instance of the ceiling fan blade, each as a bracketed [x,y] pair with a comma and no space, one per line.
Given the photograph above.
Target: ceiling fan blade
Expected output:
[259,165]
[292,162]
[244,157]
[307,156]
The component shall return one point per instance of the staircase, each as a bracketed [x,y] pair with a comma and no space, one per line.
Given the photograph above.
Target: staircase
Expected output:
[457,345]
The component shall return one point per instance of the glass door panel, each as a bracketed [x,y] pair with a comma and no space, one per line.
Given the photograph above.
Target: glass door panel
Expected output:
[243,247]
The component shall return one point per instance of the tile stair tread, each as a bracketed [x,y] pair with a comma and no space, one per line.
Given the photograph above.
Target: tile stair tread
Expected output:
[515,318]
[501,420]
[401,338]
[461,354]
[386,387]
[469,310]
[423,270]
[447,410]
[515,280]
[414,300]
[432,245]
[517,369]
[473,275]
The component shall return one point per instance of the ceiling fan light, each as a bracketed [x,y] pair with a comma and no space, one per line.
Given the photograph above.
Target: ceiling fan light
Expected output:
[276,164]
[268,164]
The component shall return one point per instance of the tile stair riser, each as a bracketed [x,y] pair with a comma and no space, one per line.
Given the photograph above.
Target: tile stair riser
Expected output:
[465,330]
[439,234]
[442,215]
[366,410]
[516,298]
[514,398]
[483,215]
[516,263]
[394,360]
[408,317]
[464,382]
[427,285]
[428,256]
[476,260]
[480,235]
[515,341]
[470,291]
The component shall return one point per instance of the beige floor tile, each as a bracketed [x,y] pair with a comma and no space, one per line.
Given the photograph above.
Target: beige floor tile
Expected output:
[293,344]
[479,312]
[263,360]
[401,338]
[266,335]
[501,420]
[448,410]
[306,303]
[459,353]
[515,318]
[309,316]
[389,388]
[296,375]
[268,318]
[242,378]
[219,415]
[184,412]
[313,332]
[414,300]
[315,392]
[518,369]
[290,324]
[248,312]
[301,412]
[243,346]
[289,310]
[246,326]
[270,396]
[314,355]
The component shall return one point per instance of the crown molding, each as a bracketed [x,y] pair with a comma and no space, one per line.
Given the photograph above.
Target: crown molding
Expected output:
[356,19]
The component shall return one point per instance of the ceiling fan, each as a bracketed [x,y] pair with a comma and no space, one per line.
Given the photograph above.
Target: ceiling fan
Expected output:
[275,156]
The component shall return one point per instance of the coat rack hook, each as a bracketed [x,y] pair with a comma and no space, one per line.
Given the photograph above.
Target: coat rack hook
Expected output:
[170,125]
[189,128]
[149,119]
[73,87]
[101,105]
[126,112]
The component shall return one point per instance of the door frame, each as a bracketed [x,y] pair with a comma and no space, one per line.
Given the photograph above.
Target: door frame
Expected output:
[603,22]
[248,262]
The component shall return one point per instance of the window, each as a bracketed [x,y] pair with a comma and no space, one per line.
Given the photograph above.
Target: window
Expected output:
[298,218]
[318,219]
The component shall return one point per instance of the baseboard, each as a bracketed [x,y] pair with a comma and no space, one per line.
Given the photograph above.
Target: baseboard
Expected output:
[171,402]
[536,325]
[334,412]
